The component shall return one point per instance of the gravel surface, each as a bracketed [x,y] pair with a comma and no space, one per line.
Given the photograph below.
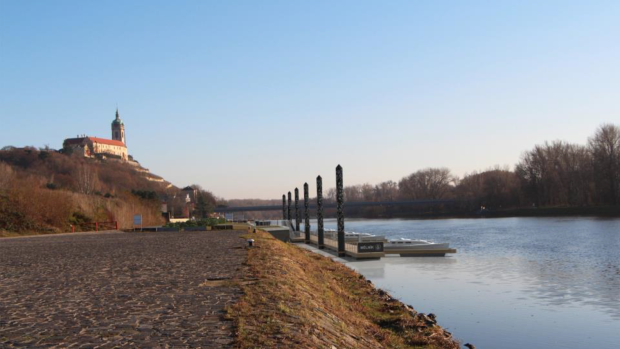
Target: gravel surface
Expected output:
[119,290]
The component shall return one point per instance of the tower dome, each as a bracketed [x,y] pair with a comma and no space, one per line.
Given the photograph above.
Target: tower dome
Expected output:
[118,120]
[118,129]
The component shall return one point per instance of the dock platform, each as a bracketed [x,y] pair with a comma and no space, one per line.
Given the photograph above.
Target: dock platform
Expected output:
[374,250]
[421,253]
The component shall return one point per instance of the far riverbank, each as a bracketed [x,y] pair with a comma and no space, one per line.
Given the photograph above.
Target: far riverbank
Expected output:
[586,211]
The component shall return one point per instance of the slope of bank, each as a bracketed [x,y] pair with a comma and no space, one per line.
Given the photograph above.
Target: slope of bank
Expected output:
[45,191]
[298,299]
[28,210]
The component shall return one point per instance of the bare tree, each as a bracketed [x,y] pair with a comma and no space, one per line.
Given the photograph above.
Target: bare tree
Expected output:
[430,183]
[6,174]
[605,148]
[493,188]
[87,179]
[386,191]
[556,173]
[353,193]
[368,192]
[331,194]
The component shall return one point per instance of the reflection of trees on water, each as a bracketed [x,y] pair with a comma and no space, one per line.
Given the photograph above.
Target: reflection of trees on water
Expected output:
[559,282]
[583,269]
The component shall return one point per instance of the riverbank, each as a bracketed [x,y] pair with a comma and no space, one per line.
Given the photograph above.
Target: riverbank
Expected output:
[589,211]
[560,211]
[294,298]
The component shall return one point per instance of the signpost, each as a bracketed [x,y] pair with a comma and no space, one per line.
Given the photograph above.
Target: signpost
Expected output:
[137,221]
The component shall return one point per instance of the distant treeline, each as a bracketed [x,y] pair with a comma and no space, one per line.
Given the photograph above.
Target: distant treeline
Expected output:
[555,174]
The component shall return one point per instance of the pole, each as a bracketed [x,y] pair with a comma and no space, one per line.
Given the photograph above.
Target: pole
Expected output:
[319,211]
[283,207]
[306,213]
[339,211]
[297,213]
[289,208]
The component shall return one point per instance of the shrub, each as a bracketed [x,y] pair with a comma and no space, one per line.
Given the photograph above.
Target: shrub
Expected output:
[206,222]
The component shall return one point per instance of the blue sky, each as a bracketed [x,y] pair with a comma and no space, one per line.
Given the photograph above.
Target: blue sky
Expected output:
[253,98]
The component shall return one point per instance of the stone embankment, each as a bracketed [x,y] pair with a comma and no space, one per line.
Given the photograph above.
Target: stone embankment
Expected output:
[300,299]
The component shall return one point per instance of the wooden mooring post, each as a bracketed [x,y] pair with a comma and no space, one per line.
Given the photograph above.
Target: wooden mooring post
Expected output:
[319,211]
[283,207]
[297,213]
[339,211]
[289,207]
[306,214]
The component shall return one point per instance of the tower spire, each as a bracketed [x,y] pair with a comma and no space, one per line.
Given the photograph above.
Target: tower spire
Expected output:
[118,128]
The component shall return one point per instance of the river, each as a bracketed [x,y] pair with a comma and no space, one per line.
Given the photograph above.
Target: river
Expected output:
[535,283]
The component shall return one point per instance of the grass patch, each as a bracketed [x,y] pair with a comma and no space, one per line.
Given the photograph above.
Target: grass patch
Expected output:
[303,300]
[11,234]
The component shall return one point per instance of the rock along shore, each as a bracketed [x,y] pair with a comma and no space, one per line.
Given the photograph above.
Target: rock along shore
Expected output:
[294,298]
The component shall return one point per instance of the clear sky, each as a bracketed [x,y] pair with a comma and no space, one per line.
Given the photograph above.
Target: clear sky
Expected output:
[252,98]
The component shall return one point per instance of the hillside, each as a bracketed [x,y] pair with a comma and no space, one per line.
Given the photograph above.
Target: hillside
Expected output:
[43,190]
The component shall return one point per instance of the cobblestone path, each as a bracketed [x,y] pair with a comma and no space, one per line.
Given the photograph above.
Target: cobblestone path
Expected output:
[119,290]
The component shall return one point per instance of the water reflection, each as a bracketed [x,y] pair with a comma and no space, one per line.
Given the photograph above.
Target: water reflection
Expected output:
[536,277]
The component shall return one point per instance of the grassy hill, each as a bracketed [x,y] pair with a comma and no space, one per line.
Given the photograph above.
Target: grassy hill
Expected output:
[43,190]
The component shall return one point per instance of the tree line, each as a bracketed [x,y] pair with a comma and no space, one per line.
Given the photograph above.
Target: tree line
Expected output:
[554,173]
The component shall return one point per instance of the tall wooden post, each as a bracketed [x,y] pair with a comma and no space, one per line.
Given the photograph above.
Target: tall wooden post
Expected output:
[339,210]
[306,213]
[319,211]
[297,213]
[289,208]
[283,207]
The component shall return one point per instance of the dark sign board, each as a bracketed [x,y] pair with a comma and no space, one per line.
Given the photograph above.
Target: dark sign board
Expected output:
[363,247]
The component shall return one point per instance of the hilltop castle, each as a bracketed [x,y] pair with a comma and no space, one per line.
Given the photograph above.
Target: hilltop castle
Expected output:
[99,147]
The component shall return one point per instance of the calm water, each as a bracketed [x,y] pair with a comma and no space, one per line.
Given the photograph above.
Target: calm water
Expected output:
[533,283]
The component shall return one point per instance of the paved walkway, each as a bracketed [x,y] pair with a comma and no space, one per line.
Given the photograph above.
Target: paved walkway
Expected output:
[125,290]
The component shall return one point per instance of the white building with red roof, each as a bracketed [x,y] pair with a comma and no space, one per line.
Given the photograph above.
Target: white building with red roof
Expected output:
[100,147]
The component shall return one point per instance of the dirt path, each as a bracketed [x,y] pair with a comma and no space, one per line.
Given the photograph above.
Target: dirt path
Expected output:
[142,290]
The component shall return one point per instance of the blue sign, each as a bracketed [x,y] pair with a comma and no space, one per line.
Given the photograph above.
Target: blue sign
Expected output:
[137,219]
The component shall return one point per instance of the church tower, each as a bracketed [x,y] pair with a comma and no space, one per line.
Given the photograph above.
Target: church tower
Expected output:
[118,129]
